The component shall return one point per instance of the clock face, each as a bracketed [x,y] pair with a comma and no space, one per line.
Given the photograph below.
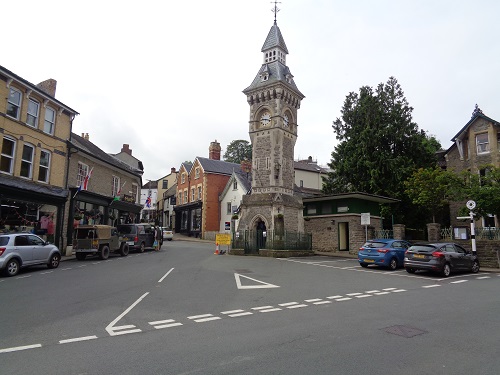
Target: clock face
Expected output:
[286,120]
[265,119]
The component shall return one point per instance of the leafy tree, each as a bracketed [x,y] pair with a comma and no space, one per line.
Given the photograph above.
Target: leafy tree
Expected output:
[237,151]
[431,189]
[380,146]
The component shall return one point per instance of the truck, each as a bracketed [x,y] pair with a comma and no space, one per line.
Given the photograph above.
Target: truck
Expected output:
[98,240]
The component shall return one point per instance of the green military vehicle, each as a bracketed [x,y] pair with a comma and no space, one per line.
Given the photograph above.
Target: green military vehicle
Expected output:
[98,240]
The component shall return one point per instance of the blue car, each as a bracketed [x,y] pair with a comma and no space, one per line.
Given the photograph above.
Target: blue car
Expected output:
[383,252]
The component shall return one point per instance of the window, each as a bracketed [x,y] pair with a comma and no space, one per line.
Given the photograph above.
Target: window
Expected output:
[268,163]
[301,183]
[83,169]
[180,198]
[43,168]
[183,178]
[32,118]
[27,161]
[482,143]
[164,184]
[311,209]
[7,156]
[135,190]
[185,196]
[192,194]
[228,208]
[235,185]
[50,119]
[199,192]
[115,186]
[197,173]
[14,103]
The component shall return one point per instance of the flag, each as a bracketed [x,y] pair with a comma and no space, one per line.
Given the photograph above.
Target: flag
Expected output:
[148,202]
[86,179]
[119,192]
[85,182]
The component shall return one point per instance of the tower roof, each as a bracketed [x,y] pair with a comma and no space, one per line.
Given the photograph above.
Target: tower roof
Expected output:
[274,39]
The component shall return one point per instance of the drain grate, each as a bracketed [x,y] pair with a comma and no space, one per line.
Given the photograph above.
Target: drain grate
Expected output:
[404,331]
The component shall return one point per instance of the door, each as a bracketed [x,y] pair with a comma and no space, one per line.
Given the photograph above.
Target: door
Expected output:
[464,260]
[40,250]
[343,229]
[24,249]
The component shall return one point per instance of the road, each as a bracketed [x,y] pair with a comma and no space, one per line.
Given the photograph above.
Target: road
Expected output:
[184,310]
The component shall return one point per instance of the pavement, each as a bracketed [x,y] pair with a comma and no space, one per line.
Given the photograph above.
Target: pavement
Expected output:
[181,237]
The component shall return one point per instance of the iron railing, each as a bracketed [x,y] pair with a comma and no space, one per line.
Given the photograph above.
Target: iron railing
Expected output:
[384,233]
[481,233]
[253,240]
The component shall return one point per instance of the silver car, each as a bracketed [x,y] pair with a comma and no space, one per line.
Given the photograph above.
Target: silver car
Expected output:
[25,249]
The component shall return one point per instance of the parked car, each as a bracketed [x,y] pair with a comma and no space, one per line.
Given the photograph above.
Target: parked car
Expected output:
[138,236]
[168,234]
[383,252]
[25,249]
[444,258]
[98,240]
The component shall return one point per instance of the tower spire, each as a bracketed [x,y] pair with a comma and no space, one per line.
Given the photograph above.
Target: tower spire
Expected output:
[275,10]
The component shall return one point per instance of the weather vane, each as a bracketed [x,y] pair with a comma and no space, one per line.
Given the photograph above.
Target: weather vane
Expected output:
[275,10]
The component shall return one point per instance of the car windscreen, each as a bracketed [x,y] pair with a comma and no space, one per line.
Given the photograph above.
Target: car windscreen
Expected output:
[85,233]
[126,229]
[4,240]
[421,248]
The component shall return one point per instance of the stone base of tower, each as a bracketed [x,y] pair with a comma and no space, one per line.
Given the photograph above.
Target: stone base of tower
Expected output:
[272,212]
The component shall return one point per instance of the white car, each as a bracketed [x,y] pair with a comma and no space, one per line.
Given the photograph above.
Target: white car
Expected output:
[167,234]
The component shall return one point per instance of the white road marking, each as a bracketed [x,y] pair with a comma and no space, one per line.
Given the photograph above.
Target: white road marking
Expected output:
[372,291]
[458,281]
[262,284]
[83,265]
[353,294]
[321,302]
[482,277]
[381,293]
[313,300]
[389,289]
[23,277]
[160,324]
[364,296]
[77,339]
[66,269]
[273,309]
[165,275]
[343,299]
[334,297]
[46,272]
[296,306]
[19,348]
[236,313]
[111,329]
[399,290]
[262,308]
[203,318]
[431,286]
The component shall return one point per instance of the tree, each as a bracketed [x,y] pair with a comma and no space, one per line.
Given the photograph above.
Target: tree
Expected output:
[431,189]
[380,146]
[237,151]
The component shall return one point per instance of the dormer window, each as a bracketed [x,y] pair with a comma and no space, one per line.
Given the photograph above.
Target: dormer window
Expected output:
[264,76]
[289,78]
[274,55]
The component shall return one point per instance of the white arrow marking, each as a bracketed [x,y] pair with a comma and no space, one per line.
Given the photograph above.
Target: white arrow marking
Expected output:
[237,277]
[111,329]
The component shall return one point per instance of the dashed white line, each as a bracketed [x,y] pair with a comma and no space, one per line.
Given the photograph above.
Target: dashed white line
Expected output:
[203,318]
[482,277]
[459,281]
[23,277]
[313,300]
[19,348]
[334,297]
[165,275]
[322,302]
[372,291]
[353,294]
[160,324]
[262,308]
[431,286]
[343,299]
[46,272]
[77,339]
[398,290]
[297,306]
[382,293]
[288,304]
[364,296]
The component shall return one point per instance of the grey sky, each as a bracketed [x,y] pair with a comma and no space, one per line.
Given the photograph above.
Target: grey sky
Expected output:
[167,76]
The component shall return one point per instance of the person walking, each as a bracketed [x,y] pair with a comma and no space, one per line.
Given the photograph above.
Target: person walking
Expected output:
[158,235]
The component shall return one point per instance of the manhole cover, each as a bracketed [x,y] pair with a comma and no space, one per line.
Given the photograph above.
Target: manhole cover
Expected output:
[404,331]
[243,270]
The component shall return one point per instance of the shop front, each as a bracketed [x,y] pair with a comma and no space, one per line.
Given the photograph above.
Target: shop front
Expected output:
[29,207]
[87,208]
[188,219]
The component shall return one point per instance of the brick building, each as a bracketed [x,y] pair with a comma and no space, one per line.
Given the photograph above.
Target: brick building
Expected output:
[197,210]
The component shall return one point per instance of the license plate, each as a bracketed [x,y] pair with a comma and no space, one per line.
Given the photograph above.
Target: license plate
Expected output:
[369,261]
[130,243]
[419,256]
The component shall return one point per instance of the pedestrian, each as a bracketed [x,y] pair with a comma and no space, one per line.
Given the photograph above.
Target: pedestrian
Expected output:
[157,238]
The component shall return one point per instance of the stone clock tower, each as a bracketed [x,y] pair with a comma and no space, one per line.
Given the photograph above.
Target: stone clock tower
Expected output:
[274,100]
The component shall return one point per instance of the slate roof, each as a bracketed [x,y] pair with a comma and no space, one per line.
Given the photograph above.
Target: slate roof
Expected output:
[478,115]
[218,166]
[89,148]
[274,39]
[244,178]
[277,73]
[19,183]
[311,167]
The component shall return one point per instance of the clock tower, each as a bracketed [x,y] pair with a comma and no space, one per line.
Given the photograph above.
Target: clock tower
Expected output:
[274,100]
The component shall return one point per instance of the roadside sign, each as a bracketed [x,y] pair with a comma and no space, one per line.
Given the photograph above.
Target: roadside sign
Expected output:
[223,239]
[365,218]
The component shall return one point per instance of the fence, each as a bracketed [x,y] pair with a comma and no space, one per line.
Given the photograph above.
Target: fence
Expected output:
[384,233]
[482,233]
[253,240]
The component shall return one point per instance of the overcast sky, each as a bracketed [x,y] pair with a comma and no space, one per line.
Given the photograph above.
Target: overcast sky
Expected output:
[167,76]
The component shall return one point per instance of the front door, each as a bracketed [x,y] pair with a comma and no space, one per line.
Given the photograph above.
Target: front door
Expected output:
[343,236]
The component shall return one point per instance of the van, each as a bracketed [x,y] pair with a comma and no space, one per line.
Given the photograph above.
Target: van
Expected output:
[138,236]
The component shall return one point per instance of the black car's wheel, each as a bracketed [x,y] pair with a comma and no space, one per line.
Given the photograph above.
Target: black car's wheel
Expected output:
[410,270]
[104,252]
[81,256]
[364,265]
[54,261]
[393,264]
[475,266]
[12,268]
[446,270]
[124,250]
[143,247]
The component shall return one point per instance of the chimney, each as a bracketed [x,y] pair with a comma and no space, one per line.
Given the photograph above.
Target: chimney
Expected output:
[48,86]
[214,150]
[85,136]
[172,170]
[126,149]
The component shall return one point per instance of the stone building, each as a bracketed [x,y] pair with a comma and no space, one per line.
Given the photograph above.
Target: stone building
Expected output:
[274,100]
[34,128]
[476,145]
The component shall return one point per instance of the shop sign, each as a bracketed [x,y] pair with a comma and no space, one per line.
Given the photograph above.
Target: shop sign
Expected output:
[128,198]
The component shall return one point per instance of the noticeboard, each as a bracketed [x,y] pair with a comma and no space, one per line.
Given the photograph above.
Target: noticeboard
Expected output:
[365,218]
